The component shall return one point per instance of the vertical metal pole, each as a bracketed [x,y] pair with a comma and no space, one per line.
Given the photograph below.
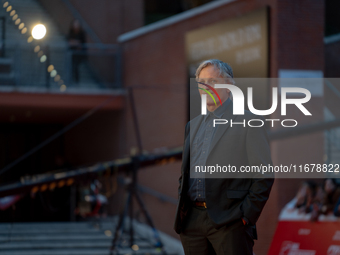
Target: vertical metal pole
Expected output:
[3,35]
[135,121]
[132,190]
[17,66]
[72,202]
[135,161]
[329,147]
[47,49]
[69,64]
[119,64]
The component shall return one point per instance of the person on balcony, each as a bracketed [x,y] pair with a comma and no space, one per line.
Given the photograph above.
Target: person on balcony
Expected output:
[77,38]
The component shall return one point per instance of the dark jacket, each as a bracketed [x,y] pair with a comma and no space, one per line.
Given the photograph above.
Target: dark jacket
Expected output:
[229,198]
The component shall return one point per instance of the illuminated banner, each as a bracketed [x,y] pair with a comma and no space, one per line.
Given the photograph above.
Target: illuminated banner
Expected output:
[307,238]
[242,42]
[297,235]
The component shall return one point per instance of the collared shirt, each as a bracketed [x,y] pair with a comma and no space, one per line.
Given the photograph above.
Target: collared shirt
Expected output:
[199,151]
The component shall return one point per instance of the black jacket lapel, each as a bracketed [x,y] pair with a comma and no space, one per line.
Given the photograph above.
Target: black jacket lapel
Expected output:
[193,128]
[222,128]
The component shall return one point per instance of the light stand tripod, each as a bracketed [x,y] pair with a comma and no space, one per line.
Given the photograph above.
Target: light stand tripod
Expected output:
[128,210]
[133,193]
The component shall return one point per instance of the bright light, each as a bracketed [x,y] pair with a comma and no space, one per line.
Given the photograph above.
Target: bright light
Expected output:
[36,49]
[135,247]
[53,73]
[57,78]
[21,26]
[39,31]
[108,233]
[50,68]
[62,89]
[43,58]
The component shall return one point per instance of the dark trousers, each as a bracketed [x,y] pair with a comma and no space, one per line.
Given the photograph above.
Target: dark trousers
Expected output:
[199,237]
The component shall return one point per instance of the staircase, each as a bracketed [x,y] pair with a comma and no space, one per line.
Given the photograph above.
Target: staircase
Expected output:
[75,238]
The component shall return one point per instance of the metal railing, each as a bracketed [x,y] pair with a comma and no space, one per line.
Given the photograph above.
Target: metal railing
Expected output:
[3,33]
[98,66]
[332,136]
[332,146]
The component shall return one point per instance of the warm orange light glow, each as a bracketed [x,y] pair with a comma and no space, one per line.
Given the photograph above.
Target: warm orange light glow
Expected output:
[21,26]
[63,88]
[43,187]
[36,48]
[61,183]
[50,68]
[40,53]
[35,189]
[53,185]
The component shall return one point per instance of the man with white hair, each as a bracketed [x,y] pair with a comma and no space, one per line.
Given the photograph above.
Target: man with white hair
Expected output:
[218,215]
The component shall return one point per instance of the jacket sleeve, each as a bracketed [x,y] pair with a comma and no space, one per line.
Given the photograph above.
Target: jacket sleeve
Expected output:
[185,136]
[258,152]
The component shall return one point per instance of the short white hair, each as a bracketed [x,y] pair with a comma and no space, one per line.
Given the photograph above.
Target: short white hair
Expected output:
[224,68]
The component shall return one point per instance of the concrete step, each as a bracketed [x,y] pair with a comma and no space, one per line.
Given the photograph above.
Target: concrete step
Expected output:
[97,251]
[55,237]
[78,238]
[55,245]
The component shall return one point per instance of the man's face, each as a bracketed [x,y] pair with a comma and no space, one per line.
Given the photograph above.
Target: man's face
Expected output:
[209,75]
